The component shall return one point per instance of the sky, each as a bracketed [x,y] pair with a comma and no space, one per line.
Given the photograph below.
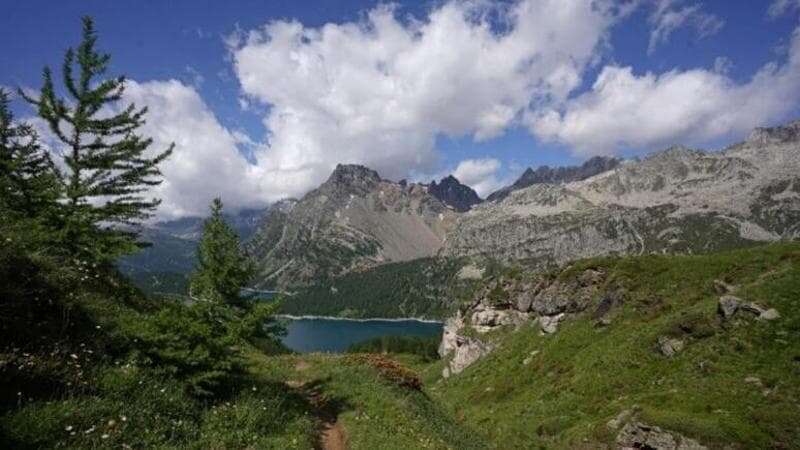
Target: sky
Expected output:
[264,98]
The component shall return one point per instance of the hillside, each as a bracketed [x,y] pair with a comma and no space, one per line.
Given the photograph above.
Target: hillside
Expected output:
[678,200]
[164,266]
[637,352]
[353,221]
[423,288]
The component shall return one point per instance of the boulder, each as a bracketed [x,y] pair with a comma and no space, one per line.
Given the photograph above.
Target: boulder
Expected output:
[486,318]
[636,435]
[524,301]
[770,314]
[728,305]
[450,334]
[752,308]
[467,351]
[549,324]
[669,346]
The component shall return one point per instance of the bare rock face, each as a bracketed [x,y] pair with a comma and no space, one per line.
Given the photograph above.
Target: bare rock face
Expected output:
[486,318]
[556,175]
[454,194]
[354,221]
[636,435]
[549,324]
[678,200]
[728,305]
[504,301]
[462,350]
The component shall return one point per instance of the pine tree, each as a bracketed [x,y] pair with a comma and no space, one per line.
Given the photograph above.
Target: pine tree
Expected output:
[29,181]
[108,169]
[222,268]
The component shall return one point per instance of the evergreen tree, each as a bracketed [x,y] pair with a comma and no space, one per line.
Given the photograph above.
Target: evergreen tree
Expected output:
[29,181]
[108,169]
[222,268]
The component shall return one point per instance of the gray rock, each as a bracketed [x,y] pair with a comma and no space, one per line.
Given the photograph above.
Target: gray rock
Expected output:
[728,305]
[450,334]
[616,422]
[524,301]
[722,287]
[549,324]
[486,318]
[636,435]
[753,308]
[770,314]
[669,346]
[467,351]
[603,322]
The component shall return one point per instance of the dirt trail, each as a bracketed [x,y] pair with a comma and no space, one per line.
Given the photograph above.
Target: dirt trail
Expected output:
[331,433]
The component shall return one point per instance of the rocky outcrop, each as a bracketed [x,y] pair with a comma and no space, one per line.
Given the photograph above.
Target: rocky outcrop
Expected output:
[524,300]
[452,193]
[556,175]
[461,351]
[679,200]
[354,221]
[637,435]
[729,306]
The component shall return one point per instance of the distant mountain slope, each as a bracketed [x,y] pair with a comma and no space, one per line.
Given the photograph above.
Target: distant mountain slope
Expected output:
[164,265]
[355,220]
[556,175]
[450,191]
[678,200]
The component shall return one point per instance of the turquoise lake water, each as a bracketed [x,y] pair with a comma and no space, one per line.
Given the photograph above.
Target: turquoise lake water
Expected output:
[335,335]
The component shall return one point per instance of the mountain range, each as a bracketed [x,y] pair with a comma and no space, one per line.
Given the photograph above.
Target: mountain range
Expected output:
[679,200]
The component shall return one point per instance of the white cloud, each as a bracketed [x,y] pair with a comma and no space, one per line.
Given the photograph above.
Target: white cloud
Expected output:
[206,161]
[379,91]
[480,175]
[780,7]
[667,17]
[624,109]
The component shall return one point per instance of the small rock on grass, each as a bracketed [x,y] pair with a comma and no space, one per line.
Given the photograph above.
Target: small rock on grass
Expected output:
[669,346]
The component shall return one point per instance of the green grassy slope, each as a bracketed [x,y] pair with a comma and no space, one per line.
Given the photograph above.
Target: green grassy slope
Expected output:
[736,383]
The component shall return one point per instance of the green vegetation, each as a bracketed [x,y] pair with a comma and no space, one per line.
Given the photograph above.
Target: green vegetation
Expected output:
[584,375]
[426,348]
[107,168]
[420,288]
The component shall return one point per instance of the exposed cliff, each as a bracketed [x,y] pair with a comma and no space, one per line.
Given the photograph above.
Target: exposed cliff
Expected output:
[353,221]
[677,200]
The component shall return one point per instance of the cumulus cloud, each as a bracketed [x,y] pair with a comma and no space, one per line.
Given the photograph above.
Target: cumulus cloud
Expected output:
[379,91]
[667,17]
[480,175]
[780,7]
[624,109]
[206,161]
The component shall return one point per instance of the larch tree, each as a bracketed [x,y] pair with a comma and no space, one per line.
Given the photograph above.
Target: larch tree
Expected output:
[108,168]
[29,181]
[222,268]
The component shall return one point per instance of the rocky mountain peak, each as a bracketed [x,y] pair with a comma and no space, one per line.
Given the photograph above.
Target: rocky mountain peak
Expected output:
[353,174]
[557,175]
[454,194]
[775,135]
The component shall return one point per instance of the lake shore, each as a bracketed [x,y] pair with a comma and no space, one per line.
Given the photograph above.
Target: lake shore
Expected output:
[350,319]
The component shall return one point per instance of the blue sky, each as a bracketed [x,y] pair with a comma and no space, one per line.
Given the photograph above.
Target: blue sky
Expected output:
[420,89]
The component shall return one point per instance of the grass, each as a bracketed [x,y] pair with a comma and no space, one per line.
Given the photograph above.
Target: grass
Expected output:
[581,377]
[585,375]
[376,412]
